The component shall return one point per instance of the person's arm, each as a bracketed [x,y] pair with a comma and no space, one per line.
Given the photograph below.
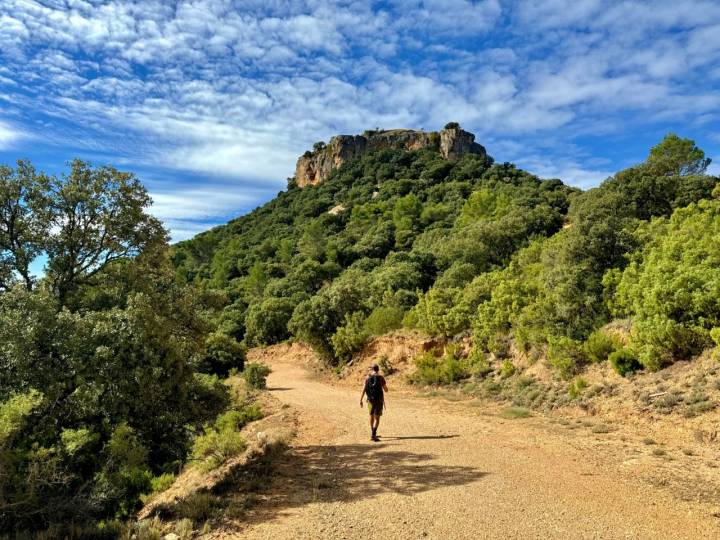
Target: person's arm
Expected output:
[362,396]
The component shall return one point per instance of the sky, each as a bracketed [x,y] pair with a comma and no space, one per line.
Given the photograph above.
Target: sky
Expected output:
[210,102]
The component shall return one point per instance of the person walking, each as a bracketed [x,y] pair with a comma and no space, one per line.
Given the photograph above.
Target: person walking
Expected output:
[374,388]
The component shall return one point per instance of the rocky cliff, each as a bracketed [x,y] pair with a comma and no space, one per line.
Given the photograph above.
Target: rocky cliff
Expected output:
[315,166]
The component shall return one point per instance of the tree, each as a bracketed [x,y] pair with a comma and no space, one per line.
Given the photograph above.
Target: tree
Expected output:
[24,221]
[97,216]
[674,156]
[266,322]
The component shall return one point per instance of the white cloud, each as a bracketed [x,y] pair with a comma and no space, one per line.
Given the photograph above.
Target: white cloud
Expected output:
[237,89]
[189,211]
[8,135]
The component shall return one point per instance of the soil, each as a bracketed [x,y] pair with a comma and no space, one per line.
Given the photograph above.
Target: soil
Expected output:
[468,469]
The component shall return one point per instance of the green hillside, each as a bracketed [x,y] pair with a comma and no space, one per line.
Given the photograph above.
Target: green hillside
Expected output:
[406,238]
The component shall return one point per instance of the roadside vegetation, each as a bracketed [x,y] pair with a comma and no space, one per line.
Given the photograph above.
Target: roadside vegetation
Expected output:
[111,370]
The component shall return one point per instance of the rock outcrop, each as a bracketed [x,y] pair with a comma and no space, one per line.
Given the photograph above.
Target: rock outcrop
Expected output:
[315,166]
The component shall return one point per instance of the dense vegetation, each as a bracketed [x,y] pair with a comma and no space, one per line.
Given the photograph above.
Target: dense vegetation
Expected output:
[399,238]
[108,365]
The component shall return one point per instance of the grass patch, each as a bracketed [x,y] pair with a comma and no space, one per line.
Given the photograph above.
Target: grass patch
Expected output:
[197,507]
[513,413]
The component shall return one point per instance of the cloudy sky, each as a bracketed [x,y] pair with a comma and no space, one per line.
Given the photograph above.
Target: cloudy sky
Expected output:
[211,101]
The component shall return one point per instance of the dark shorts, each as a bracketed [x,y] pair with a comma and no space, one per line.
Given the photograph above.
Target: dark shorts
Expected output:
[376,408]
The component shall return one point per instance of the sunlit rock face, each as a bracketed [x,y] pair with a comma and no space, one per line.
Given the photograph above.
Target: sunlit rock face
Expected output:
[313,167]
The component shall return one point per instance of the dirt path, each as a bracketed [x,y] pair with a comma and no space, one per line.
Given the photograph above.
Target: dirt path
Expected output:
[448,471]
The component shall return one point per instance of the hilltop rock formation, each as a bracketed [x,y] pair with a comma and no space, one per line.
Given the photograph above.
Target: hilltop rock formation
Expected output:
[315,166]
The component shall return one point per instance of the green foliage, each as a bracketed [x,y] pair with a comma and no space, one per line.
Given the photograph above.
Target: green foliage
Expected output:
[564,356]
[255,374]
[434,369]
[350,337]
[162,482]
[223,353]
[223,441]
[384,319]
[624,361]
[401,225]
[266,322]
[97,358]
[576,387]
[671,289]
[507,369]
[599,345]
[14,412]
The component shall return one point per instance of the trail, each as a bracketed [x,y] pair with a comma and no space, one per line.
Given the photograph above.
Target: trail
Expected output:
[448,471]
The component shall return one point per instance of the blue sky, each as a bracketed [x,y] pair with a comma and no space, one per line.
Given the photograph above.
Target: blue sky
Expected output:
[211,101]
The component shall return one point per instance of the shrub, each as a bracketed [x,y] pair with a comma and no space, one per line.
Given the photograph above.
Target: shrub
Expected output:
[223,352]
[266,323]
[439,370]
[238,419]
[350,337]
[715,332]
[565,356]
[386,366]
[478,363]
[624,361]
[384,319]
[197,507]
[599,345]
[576,387]
[507,369]
[162,482]
[255,374]
[214,447]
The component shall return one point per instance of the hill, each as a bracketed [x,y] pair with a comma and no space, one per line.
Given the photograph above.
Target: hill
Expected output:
[406,235]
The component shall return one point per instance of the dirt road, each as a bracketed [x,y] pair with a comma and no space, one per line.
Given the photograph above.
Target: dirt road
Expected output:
[451,471]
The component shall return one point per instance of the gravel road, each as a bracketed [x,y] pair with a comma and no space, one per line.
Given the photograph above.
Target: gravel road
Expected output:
[450,471]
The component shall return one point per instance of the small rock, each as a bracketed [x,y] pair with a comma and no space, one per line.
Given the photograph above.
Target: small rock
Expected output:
[171,536]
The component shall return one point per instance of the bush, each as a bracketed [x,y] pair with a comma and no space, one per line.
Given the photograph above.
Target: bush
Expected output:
[576,387]
[255,374]
[350,337]
[384,319]
[197,507]
[564,356]
[478,363]
[238,419]
[386,366]
[599,345]
[670,288]
[214,447]
[223,353]
[435,370]
[507,369]
[266,323]
[624,361]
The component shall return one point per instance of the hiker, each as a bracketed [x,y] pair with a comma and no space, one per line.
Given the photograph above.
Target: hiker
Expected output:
[374,386]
